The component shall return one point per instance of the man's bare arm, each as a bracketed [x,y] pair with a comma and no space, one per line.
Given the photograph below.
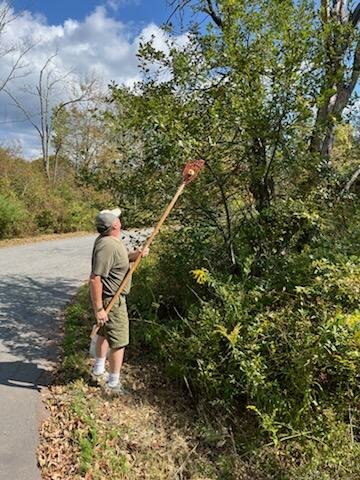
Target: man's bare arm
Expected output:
[96,289]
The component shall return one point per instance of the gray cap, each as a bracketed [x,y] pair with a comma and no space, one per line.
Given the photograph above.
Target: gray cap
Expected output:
[105,219]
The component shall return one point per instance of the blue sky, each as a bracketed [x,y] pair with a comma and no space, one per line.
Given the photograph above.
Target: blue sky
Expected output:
[138,12]
[90,38]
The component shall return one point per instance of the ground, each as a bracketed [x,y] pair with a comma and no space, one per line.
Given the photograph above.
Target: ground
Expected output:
[152,434]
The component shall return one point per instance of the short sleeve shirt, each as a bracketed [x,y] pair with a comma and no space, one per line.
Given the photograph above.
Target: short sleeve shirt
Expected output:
[110,261]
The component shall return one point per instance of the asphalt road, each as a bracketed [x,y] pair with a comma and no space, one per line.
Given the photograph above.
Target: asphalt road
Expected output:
[37,281]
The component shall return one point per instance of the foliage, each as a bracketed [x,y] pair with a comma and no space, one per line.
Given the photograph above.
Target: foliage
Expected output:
[252,299]
[269,332]
[12,216]
[89,433]
[279,340]
[30,206]
[76,339]
[80,137]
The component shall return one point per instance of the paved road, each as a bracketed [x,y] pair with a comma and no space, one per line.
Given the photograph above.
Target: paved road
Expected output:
[36,283]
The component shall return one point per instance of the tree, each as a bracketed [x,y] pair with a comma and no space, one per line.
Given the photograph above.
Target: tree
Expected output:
[238,95]
[80,137]
[243,94]
[340,70]
[49,87]
[17,52]
[338,62]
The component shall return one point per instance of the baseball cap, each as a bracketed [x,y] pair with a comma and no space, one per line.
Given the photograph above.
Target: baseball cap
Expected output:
[105,218]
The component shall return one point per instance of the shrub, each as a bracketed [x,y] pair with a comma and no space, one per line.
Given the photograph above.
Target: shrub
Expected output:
[278,345]
[13,217]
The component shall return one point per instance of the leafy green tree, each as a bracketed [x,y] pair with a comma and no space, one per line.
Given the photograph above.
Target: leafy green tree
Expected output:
[242,93]
[80,137]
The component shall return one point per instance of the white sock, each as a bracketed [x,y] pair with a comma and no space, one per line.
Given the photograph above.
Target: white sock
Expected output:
[113,379]
[99,365]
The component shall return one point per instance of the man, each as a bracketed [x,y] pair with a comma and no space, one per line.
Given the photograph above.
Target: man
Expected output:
[110,263]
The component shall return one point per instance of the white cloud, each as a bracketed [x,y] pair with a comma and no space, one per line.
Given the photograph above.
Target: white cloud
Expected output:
[117,4]
[98,45]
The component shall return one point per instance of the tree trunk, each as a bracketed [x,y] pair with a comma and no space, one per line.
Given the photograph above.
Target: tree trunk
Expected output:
[336,76]
[352,180]
[261,184]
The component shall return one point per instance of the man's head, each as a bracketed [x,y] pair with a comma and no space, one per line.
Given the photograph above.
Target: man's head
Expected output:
[108,222]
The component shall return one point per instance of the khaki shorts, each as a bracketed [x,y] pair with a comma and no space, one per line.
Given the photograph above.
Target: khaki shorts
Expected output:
[116,329]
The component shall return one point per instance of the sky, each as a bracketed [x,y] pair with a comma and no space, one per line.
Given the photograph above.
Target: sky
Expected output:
[136,12]
[89,37]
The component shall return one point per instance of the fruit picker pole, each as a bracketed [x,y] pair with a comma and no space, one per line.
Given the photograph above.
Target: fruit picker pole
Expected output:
[190,173]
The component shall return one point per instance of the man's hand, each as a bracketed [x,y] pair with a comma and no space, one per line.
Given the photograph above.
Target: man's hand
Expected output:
[140,251]
[101,317]
[144,252]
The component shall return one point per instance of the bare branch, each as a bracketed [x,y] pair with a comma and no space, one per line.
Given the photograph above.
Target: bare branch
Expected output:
[355,68]
[16,66]
[352,180]
[6,16]
[180,5]
[44,91]
[85,96]
[355,16]
[211,11]
[25,112]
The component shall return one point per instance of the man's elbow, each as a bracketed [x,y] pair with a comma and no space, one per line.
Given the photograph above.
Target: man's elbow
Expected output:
[94,278]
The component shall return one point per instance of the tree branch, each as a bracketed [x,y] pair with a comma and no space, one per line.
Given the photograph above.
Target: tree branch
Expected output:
[25,112]
[352,180]
[16,66]
[179,6]
[356,66]
[211,11]
[355,16]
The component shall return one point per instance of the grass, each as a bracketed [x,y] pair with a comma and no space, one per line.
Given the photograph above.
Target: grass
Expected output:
[157,433]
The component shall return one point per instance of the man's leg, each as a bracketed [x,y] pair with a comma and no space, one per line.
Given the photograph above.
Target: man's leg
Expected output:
[118,331]
[102,346]
[116,358]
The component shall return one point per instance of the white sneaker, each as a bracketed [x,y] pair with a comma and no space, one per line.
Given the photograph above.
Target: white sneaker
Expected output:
[100,379]
[117,389]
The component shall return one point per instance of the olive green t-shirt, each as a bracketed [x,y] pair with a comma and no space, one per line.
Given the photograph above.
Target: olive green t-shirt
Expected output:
[110,261]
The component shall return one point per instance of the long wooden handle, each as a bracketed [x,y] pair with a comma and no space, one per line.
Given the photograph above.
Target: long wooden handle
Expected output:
[147,244]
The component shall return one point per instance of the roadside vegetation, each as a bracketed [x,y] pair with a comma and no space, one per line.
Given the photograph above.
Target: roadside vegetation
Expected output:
[205,384]
[31,206]
[156,433]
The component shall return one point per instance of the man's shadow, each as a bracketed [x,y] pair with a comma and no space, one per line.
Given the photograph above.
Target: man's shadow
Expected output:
[24,375]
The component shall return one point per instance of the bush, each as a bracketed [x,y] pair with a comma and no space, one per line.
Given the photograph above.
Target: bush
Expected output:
[277,344]
[13,217]
[47,208]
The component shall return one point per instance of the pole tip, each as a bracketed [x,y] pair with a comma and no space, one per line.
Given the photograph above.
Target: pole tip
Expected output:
[192,170]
